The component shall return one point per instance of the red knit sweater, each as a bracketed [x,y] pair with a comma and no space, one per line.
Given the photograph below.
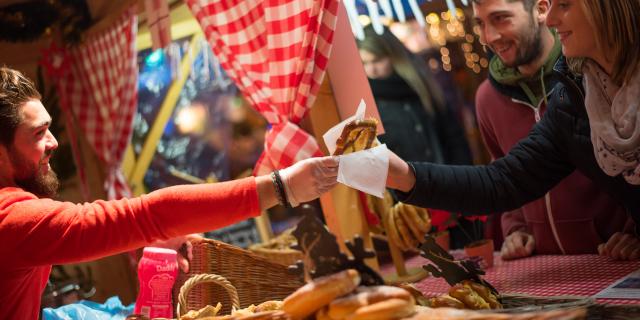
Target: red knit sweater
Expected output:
[36,233]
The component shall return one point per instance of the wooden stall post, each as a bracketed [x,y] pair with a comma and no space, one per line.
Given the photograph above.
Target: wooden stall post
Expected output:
[344,86]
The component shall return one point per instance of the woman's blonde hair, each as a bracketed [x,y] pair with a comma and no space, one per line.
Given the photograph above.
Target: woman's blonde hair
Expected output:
[413,70]
[617,26]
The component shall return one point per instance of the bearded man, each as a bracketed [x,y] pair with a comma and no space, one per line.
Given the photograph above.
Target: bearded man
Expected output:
[37,231]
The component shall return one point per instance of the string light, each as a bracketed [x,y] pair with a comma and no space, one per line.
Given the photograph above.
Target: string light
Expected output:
[442,28]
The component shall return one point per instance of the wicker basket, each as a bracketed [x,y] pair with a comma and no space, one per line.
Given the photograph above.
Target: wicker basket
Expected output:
[230,290]
[255,278]
[520,303]
[613,312]
[183,296]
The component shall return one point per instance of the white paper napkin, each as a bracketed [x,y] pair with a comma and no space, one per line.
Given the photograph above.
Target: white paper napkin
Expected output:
[365,170]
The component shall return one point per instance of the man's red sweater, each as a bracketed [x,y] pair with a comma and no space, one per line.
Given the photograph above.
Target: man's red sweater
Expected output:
[36,233]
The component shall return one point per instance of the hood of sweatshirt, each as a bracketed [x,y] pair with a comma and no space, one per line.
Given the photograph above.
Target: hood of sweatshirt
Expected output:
[532,90]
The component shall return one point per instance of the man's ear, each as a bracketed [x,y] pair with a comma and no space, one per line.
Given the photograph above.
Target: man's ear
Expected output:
[541,9]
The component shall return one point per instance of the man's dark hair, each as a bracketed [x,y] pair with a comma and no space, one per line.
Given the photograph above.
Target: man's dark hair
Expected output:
[15,90]
[528,4]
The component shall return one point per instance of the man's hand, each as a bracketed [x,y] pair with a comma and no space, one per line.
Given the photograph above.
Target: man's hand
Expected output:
[517,245]
[177,243]
[308,179]
[621,246]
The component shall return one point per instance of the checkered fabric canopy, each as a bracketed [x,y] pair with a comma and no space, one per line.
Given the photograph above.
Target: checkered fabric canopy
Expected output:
[100,90]
[276,51]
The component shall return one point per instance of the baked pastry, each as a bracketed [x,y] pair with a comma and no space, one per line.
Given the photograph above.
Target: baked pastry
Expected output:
[484,292]
[283,241]
[357,135]
[269,306]
[446,300]
[406,225]
[467,295]
[420,299]
[384,310]
[342,308]
[322,314]
[319,293]
[207,311]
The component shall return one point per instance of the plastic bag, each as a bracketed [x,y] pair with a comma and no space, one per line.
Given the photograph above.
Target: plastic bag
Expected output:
[112,309]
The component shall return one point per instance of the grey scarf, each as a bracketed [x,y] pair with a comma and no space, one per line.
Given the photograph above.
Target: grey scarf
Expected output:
[614,117]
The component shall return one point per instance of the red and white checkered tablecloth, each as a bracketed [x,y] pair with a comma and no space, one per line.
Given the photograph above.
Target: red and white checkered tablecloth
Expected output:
[543,275]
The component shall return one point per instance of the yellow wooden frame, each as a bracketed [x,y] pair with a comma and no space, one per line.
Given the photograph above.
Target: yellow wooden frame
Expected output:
[135,168]
[141,164]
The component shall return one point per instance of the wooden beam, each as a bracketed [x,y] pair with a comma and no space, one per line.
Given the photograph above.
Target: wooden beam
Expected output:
[166,110]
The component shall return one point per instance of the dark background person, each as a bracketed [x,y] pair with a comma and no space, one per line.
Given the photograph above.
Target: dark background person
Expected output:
[418,123]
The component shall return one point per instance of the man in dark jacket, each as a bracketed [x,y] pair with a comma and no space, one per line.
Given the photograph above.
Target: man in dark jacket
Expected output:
[556,146]
[575,216]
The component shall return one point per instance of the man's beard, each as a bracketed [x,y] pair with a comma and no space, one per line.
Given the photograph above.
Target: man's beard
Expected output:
[29,178]
[530,46]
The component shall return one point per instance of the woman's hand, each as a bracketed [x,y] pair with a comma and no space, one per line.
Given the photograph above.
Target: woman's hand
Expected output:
[401,176]
[621,246]
[517,245]
[308,179]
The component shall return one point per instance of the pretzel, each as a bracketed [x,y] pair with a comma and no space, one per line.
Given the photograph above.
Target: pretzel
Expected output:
[424,214]
[408,238]
[319,293]
[420,299]
[446,300]
[392,230]
[468,296]
[269,306]
[483,292]
[384,310]
[413,222]
[357,135]
[345,306]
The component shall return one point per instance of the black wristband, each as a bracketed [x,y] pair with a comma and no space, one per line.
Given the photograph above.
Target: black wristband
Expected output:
[280,191]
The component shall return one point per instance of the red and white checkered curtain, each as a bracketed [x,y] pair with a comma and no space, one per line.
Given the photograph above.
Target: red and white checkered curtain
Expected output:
[100,90]
[276,51]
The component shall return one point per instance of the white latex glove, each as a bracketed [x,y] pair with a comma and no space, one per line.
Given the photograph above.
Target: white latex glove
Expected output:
[308,179]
